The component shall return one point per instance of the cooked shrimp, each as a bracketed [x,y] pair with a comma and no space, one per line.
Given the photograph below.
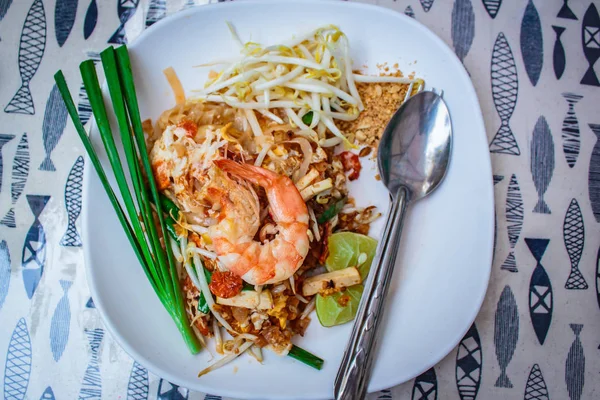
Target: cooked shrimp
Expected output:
[233,236]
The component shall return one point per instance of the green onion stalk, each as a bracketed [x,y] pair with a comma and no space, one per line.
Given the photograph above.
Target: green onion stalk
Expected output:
[136,216]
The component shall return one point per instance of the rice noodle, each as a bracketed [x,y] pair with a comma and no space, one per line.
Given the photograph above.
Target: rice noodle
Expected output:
[307,153]
[175,84]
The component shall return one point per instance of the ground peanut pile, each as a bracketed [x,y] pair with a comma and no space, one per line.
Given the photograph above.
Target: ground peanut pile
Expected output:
[381,100]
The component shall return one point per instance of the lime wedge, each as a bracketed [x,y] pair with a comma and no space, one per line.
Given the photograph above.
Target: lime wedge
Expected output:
[340,307]
[348,249]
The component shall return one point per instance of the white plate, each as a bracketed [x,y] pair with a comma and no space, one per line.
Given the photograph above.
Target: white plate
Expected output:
[446,251]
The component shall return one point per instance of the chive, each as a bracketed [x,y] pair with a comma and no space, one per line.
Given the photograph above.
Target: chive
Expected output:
[61,84]
[170,208]
[307,118]
[114,87]
[306,357]
[127,83]
[90,81]
[332,211]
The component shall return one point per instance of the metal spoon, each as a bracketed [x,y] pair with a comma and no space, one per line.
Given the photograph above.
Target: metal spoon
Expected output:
[413,157]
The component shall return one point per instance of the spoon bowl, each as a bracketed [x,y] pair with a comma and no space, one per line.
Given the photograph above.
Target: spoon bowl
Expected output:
[415,148]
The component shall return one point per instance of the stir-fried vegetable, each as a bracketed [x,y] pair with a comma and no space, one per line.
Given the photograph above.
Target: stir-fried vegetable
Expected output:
[305,357]
[332,211]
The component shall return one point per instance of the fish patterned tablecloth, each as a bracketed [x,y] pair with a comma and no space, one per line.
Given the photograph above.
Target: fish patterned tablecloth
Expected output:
[532,63]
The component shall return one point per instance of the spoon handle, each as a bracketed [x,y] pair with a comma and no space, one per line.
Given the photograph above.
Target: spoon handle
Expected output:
[354,373]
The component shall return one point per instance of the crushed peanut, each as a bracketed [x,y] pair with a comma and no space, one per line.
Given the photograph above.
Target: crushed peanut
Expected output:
[381,100]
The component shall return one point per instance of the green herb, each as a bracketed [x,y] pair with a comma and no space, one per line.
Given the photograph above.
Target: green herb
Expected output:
[332,211]
[306,357]
[170,208]
[137,218]
[307,118]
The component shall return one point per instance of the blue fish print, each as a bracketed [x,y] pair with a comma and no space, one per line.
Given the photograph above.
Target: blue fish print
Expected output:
[18,363]
[570,130]
[463,27]
[575,365]
[91,18]
[598,278]
[20,172]
[497,178]
[157,10]
[540,291]
[61,323]
[492,7]
[426,4]
[535,388]
[506,333]
[514,221]
[505,88]
[558,56]
[469,360]
[590,40]
[594,174]
[385,394]
[532,43]
[137,389]
[48,394]
[73,204]
[55,120]
[409,11]
[125,10]
[4,271]
[34,248]
[4,6]
[574,235]
[3,140]
[91,387]
[565,11]
[31,51]
[90,303]
[84,108]
[425,386]
[64,19]
[192,3]
[542,162]
[170,391]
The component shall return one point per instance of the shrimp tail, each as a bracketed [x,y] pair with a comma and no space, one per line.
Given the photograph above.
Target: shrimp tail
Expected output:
[255,175]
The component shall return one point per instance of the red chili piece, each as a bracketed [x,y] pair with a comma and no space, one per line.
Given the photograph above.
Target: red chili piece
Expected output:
[351,162]
[225,284]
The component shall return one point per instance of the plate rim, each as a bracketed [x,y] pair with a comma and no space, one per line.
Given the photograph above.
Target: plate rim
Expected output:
[478,113]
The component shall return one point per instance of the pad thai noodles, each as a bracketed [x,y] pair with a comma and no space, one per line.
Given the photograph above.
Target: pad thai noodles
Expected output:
[254,170]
